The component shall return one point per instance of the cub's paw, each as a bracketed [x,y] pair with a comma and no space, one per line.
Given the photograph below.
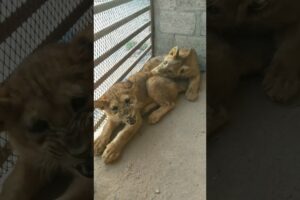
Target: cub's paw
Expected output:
[191,95]
[111,153]
[153,118]
[99,146]
[280,86]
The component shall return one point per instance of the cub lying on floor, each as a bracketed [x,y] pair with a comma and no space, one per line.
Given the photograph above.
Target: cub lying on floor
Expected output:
[126,102]
[46,108]
[179,64]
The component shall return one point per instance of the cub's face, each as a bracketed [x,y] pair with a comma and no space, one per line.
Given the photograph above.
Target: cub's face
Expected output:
[119,103]
[269,14]
[172,66]
[46,106]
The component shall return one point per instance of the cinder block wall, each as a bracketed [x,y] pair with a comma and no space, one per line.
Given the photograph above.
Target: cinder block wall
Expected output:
[180,23]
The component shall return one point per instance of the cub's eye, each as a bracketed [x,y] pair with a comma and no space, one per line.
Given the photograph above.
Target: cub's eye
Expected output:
[39,126]
[115,108]
[165,62]
[78,102]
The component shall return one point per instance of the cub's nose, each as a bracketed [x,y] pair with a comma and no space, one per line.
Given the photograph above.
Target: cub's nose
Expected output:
[131,120]
[86,168]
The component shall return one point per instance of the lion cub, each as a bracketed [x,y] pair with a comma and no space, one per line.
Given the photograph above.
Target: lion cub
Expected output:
[180,64]
[46,107]
[126,102]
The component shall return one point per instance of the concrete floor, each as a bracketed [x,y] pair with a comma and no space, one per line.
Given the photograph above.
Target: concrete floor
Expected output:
[162,162]
[257,156]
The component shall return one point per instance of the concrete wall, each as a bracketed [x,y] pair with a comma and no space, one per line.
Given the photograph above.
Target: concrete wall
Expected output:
[180,23]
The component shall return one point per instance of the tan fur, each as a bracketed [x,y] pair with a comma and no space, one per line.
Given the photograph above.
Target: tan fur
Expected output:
[126,103]
[181,64]
[44,128]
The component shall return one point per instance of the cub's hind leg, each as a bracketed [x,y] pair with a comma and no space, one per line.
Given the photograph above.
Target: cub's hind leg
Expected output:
[164,92]
[158,114]
[149,108]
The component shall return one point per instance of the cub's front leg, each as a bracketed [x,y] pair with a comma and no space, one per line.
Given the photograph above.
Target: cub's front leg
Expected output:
[104,138]
[192,91]
[114,148]
[23,182]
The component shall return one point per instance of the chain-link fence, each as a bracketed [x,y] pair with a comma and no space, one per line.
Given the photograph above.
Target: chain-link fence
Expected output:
[123,43]
[26,25]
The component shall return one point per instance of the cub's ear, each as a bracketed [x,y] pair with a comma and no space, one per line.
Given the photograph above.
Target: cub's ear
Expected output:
[101,103]
[81,48]
[185,53]
[174,52]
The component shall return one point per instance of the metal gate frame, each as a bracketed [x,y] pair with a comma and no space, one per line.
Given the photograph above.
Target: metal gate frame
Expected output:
[103,32]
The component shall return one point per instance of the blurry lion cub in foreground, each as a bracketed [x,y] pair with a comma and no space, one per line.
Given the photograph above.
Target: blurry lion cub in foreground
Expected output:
[46,108]
[125,103]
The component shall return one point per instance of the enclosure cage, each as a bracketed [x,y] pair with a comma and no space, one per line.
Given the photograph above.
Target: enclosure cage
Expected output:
[26,25]
[123,42]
